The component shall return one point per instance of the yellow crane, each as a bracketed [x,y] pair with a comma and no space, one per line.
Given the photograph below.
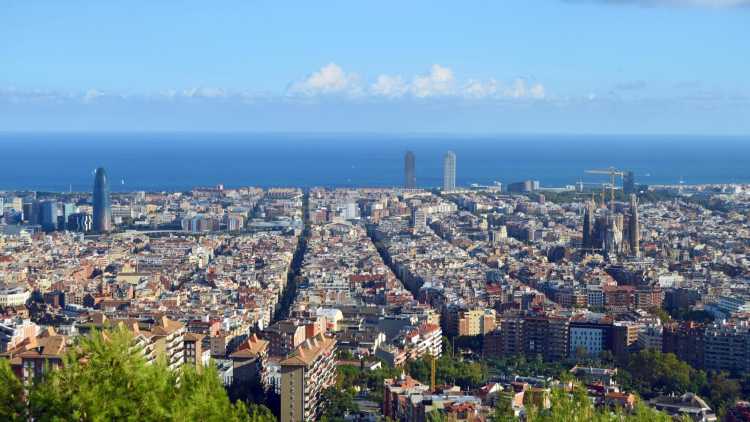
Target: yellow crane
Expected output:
[432,374]
[612,173]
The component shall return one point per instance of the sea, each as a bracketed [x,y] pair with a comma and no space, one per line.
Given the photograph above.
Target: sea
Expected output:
[164,161]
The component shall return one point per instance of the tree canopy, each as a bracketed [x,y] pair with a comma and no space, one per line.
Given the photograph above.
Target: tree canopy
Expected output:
[105,378]
[577,407]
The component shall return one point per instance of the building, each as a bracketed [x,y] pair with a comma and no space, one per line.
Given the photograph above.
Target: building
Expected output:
[249,361]
[523,187]
[588,226]
[474,322]
[309,370]
[36,355]
[684,340]
[102,218]
[193,351]
[284,337]
[13,331]
[160,338]
[619,297]
[449,171]
[628,183]
[634,227]
[410,175]
[13,295]
[688,405]
[727,346]
[532,335]
[48,218]
[590,335]
[624,339]
[80,222]
[407,400]
[419,218]
[651,337]
[728,306]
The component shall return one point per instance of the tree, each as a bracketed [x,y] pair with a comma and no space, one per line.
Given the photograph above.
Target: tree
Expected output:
[651,373]
[722,392]
[435,416]
[104,377]
[12,408]
[260,413]
[340,403]
[575,406]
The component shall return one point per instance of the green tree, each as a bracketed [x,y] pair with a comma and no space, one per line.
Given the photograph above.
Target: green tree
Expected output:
[340,403]
[12,407]
[435,416]
[105,378]
[260,413]
[651,373]
[722,392]
[576,406]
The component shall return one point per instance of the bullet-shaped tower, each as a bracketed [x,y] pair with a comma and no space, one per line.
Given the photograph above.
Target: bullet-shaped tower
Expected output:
[102,218]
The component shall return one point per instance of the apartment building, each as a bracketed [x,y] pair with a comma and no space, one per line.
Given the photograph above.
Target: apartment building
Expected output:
[305,373]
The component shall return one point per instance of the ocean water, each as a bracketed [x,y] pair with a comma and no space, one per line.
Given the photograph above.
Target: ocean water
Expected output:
[179,161]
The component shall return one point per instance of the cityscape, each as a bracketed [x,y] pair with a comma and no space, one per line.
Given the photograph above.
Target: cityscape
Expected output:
[278,289]
[375,211]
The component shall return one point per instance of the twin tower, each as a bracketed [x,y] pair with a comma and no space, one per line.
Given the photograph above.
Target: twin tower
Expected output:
[449,171]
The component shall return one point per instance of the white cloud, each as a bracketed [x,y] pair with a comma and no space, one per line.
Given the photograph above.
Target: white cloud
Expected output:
[521,89]
[518,89]
[438,82]
[203,93]
[389,86]
[330,79]
[478,89]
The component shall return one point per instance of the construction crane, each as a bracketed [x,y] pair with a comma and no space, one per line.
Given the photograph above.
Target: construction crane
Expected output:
[612,172]
[432,374]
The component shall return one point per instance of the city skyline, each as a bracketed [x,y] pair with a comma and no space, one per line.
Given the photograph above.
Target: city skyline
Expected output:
[290,211]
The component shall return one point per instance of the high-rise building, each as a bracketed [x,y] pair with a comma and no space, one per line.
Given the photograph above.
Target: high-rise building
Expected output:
[634,227]
[32,212]
[727,346]
[419,218]
[80,222]
[309,370]
[410,175]
[68,209]
[628,183]
[449,171]
[101,202]
[48,218]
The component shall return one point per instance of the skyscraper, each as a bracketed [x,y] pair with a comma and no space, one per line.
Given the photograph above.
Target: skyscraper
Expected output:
[101,203]
[628,183]
[48,217]
[634,228]
[449,171]
[410,176]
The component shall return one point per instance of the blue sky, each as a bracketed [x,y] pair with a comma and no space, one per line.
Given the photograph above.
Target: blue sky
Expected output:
[509,66]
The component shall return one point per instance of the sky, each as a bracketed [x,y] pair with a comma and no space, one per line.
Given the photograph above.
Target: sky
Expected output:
[502,66]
